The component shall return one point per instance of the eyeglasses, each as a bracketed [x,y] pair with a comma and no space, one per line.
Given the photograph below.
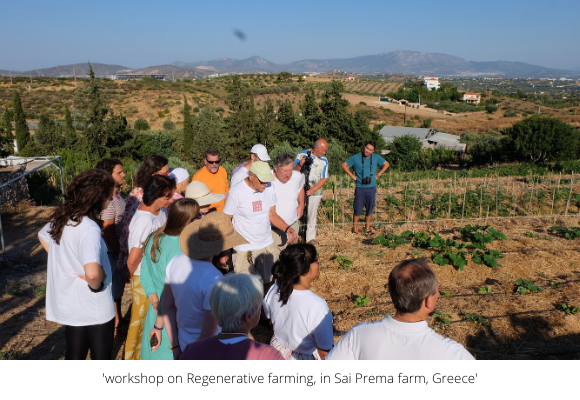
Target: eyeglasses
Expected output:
[213,162]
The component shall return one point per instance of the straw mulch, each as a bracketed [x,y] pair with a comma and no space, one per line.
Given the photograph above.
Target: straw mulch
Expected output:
[547,332]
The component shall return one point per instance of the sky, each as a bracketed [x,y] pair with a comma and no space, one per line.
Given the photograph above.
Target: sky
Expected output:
[42,34]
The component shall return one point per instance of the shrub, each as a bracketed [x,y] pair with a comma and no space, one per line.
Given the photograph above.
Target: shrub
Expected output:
[362,103]
[153,142]
[426,123]
[168,125]
[491,108]
[510,114]
[141,125]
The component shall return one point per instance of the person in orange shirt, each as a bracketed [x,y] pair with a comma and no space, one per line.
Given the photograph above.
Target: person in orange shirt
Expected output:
[214,176]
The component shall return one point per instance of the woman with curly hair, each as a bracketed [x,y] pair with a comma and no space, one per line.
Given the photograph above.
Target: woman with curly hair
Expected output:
[161,246]
[157,194]
[153,165]
[78,288]
[302,321]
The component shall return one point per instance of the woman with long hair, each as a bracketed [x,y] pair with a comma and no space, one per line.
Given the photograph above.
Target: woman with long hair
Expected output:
[161,246]
[302,321]
[157,194]
[153,165]
[78,288]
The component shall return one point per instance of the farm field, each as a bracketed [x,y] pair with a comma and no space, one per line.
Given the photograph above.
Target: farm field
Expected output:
[514,326]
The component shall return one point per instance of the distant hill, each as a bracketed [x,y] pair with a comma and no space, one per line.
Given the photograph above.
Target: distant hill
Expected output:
[394,62]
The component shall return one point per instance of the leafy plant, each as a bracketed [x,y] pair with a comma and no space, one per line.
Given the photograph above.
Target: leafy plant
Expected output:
[569,310]
[488,257]
[570,234]
[442,318]
[362,301]
[447,294]
[484,290]
[344,262]
[523,287]
[392,241]
[476,318]
[446,254]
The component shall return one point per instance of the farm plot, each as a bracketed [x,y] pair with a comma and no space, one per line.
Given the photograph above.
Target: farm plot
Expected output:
[522,303]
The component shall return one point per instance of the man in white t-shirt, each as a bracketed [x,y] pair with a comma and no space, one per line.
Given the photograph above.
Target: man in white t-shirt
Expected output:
[289,187]
[257,153]
[406,336]
[252,206]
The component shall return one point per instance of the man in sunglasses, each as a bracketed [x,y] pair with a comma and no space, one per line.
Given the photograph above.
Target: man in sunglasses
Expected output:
[214,176]
[252,206]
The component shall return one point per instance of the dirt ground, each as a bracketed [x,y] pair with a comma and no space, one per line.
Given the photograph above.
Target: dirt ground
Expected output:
[531,326]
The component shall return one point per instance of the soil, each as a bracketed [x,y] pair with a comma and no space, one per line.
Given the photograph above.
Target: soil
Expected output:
[531,326]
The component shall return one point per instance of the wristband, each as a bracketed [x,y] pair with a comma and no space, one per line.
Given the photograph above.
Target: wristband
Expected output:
[97,290]
[289,226]
[159,329]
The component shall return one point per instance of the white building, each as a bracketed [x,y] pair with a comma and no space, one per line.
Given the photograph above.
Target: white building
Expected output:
[431,82]
[472,98]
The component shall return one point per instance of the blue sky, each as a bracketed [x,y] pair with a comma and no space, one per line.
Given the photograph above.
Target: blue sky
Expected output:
[40,34]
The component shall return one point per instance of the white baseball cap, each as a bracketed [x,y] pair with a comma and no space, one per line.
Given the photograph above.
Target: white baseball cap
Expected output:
[261,151]
[179,174]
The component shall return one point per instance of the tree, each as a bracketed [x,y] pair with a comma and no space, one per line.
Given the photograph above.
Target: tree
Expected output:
[284,76]
[311,114]
[541,139]
[241,122]
[8,137]
[119,139]
[491,108]
[405,152]
[21,127]
[267,127]
[48,136]
[95,125]
[68,122]
[168,125]
[209,133]
[141,124]
[336,120]
[187,130]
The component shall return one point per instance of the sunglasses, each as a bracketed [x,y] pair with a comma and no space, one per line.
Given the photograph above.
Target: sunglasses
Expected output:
[213,162]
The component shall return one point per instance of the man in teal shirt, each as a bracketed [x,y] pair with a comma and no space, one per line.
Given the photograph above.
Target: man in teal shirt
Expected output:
[365,167]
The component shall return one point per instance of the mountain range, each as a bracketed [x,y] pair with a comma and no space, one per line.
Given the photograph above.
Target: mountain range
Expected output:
[395,62]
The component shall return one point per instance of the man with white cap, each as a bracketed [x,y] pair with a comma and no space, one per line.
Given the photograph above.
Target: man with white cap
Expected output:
[199,192]
[252,205]
[257,153]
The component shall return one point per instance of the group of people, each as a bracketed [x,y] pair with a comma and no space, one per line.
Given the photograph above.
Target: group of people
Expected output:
[208,260]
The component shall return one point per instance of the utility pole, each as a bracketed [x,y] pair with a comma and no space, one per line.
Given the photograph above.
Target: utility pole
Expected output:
[74,74]
[405,117]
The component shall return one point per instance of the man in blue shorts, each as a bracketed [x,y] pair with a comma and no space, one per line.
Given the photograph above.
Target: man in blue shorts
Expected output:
[365,167]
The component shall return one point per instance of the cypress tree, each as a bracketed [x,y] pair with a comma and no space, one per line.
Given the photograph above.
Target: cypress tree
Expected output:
[68,122]
[187,130]
[95,127]
[9,138]
[241,122]
[21,127]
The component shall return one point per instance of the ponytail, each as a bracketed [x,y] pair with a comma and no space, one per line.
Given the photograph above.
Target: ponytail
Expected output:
[294,262]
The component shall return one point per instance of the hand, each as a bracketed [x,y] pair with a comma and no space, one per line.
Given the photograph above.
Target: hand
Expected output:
[155,307]
[128,277]
[302,161]
[292,236]
[309,192]
[377,176]
[157,334]
[353,177]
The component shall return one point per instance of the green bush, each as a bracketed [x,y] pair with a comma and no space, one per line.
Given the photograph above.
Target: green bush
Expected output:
[153,142]
[168,125]
[141,125]
[491,108]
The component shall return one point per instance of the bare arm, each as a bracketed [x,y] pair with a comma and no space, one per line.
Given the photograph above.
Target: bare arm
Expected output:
[322,353]
[135,256]
[300,208]
[169,311]
[208,325]
[94,275]
[300,164]
[346,169]
[317,186]
[109,235]
[43,244]
[383,169]
[280,224]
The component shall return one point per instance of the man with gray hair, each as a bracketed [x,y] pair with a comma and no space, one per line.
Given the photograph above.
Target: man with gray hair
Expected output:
[289,188]
[406,336]
[317,177]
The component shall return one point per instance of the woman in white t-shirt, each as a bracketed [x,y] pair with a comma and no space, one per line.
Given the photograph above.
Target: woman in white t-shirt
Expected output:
[302,321]
[78,288]
[157,194]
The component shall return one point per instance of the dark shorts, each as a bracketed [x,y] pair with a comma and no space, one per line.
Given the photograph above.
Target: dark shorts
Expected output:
[118,287]
[364,198]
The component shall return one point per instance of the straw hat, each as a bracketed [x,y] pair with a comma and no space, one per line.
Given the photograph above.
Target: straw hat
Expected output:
[209,236]
[199,192]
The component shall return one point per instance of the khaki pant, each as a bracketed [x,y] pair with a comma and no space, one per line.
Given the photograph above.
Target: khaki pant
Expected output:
[280,238]
[313,202]
[262,262]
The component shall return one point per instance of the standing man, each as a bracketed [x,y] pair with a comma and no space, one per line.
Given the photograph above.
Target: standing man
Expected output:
[289,188]
[316,180]
[365,167]
[252,205]
[257,153]
[405,336]
[214,176]
[111,218]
